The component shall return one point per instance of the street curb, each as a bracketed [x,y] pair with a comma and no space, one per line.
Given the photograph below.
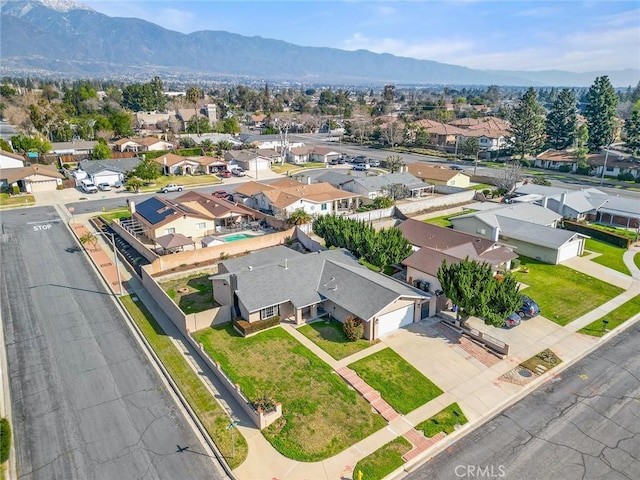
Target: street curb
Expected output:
[163,373]
[534,385]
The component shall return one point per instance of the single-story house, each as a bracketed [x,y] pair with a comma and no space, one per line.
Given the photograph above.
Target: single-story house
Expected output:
[273,141]
[273,155]
[280,282]
[439,175]
[248,160]
[127,145]
[173,164]
[11,160]
[554,159]
[282,197]
[379,185]
[214,138]
[31,179]
[211,165]
[530,228]
[154,144]
[192,214]
[77,147]
[298,155]
[613,164]
[337,179]
[111,171]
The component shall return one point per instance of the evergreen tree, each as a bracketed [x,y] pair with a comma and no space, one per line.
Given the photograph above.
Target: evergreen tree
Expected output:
[101,151]
[562,120]
[527,125]
[601,113]
[632,132]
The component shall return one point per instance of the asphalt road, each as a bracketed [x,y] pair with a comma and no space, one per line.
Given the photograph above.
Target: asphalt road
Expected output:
[583,425]
[86,402]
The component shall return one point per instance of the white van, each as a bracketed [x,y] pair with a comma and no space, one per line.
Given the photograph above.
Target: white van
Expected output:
[88,186]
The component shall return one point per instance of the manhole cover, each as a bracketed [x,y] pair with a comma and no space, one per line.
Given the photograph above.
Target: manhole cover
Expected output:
[525,373]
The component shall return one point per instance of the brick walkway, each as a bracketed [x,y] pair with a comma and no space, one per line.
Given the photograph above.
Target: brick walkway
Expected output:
[420,443]
[473,349]
[102,260]
[372,396]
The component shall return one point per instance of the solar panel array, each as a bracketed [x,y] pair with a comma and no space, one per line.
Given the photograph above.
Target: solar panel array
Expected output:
[153,210]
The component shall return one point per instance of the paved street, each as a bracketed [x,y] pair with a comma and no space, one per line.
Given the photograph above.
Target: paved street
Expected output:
[87,404]
[582,425]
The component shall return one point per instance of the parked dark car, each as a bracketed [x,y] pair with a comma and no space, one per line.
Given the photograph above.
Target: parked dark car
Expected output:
[360,159]
[512,320]
[456,167]
[529,308]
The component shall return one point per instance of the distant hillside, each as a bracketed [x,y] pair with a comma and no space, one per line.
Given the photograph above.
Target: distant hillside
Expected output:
[80,42]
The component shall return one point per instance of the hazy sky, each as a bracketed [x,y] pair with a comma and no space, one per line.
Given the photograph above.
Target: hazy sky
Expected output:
[569,35]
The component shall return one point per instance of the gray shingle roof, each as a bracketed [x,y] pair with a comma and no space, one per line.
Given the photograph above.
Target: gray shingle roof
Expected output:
[260,258]
[307,279]
[520,211]
[535,234]
[334,178]
[379,182]
[120,165]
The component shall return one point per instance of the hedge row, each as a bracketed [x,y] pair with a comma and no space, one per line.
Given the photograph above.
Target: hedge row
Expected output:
[5,439]
[247,328]
[608,237]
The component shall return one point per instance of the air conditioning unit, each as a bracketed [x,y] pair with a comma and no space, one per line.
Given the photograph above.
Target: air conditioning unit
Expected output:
[425,286]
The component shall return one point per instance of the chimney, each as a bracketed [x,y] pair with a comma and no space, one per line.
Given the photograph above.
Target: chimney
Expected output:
[308,180]
[286,264]
[132,207]
[495,234]
[563,199]
[233,281]
[544,202]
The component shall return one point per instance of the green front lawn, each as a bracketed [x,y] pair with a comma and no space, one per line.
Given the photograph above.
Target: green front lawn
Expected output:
[443,421]
[443,221]
[119,213]
[383,461]
[206,407]
[615,318]
[400,384]
[331,338]
[7,200]
[192,294]
[636,259]
[563,294]
[611,256]
[321,415]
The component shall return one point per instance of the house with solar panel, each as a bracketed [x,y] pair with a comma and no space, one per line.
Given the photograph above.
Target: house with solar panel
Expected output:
[187,220]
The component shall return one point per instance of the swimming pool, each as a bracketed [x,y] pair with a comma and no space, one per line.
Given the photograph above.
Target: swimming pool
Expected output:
[236,236]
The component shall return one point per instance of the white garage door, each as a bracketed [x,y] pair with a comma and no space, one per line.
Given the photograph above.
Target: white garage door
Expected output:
[568,251]
[45,186]
[393,320]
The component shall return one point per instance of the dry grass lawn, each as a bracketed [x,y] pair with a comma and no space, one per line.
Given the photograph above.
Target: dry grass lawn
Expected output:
[321,415]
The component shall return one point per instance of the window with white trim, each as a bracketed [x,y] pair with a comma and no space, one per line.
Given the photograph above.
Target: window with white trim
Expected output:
[201,226]
[269,312]
[169,231]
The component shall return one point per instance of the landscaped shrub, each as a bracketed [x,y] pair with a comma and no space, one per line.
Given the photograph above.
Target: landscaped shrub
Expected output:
[353,328]
[626,177]
[247,328]
[5,439]
[564,168]
[16,190]
[515,263]
[265,403]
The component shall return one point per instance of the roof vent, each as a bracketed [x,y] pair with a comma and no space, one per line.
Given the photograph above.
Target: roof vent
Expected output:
[250,268]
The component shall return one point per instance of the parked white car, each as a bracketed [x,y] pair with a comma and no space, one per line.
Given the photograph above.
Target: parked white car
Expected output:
[238,172]
[105,187]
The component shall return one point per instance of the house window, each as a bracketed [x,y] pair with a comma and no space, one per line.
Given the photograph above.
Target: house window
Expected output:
[323,207]
[269,312]
[201,226]
[169,231]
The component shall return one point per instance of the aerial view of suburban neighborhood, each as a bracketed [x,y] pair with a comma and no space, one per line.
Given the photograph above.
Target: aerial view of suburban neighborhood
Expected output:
[319,240]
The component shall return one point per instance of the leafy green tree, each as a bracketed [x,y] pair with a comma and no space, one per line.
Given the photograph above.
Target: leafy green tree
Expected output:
[4,146]
[5,439]
[632,132]
[472,286]
[230,125]
[383,202]
[394,163]
[527,125]
[562,120]
[122,123]
[397,191]
[470,147]
[601,113]
[299,217]
[25,143]
[198,124]
[133,184]
[148,170]
[101,151]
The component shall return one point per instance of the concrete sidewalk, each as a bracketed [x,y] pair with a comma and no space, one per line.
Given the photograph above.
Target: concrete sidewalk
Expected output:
[474,385]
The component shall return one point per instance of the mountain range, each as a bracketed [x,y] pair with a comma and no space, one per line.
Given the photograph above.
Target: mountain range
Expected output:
[62,39]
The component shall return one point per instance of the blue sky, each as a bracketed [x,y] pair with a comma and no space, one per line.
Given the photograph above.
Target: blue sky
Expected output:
[568,35]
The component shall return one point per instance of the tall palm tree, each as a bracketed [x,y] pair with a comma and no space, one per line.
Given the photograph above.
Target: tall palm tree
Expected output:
[193,95]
